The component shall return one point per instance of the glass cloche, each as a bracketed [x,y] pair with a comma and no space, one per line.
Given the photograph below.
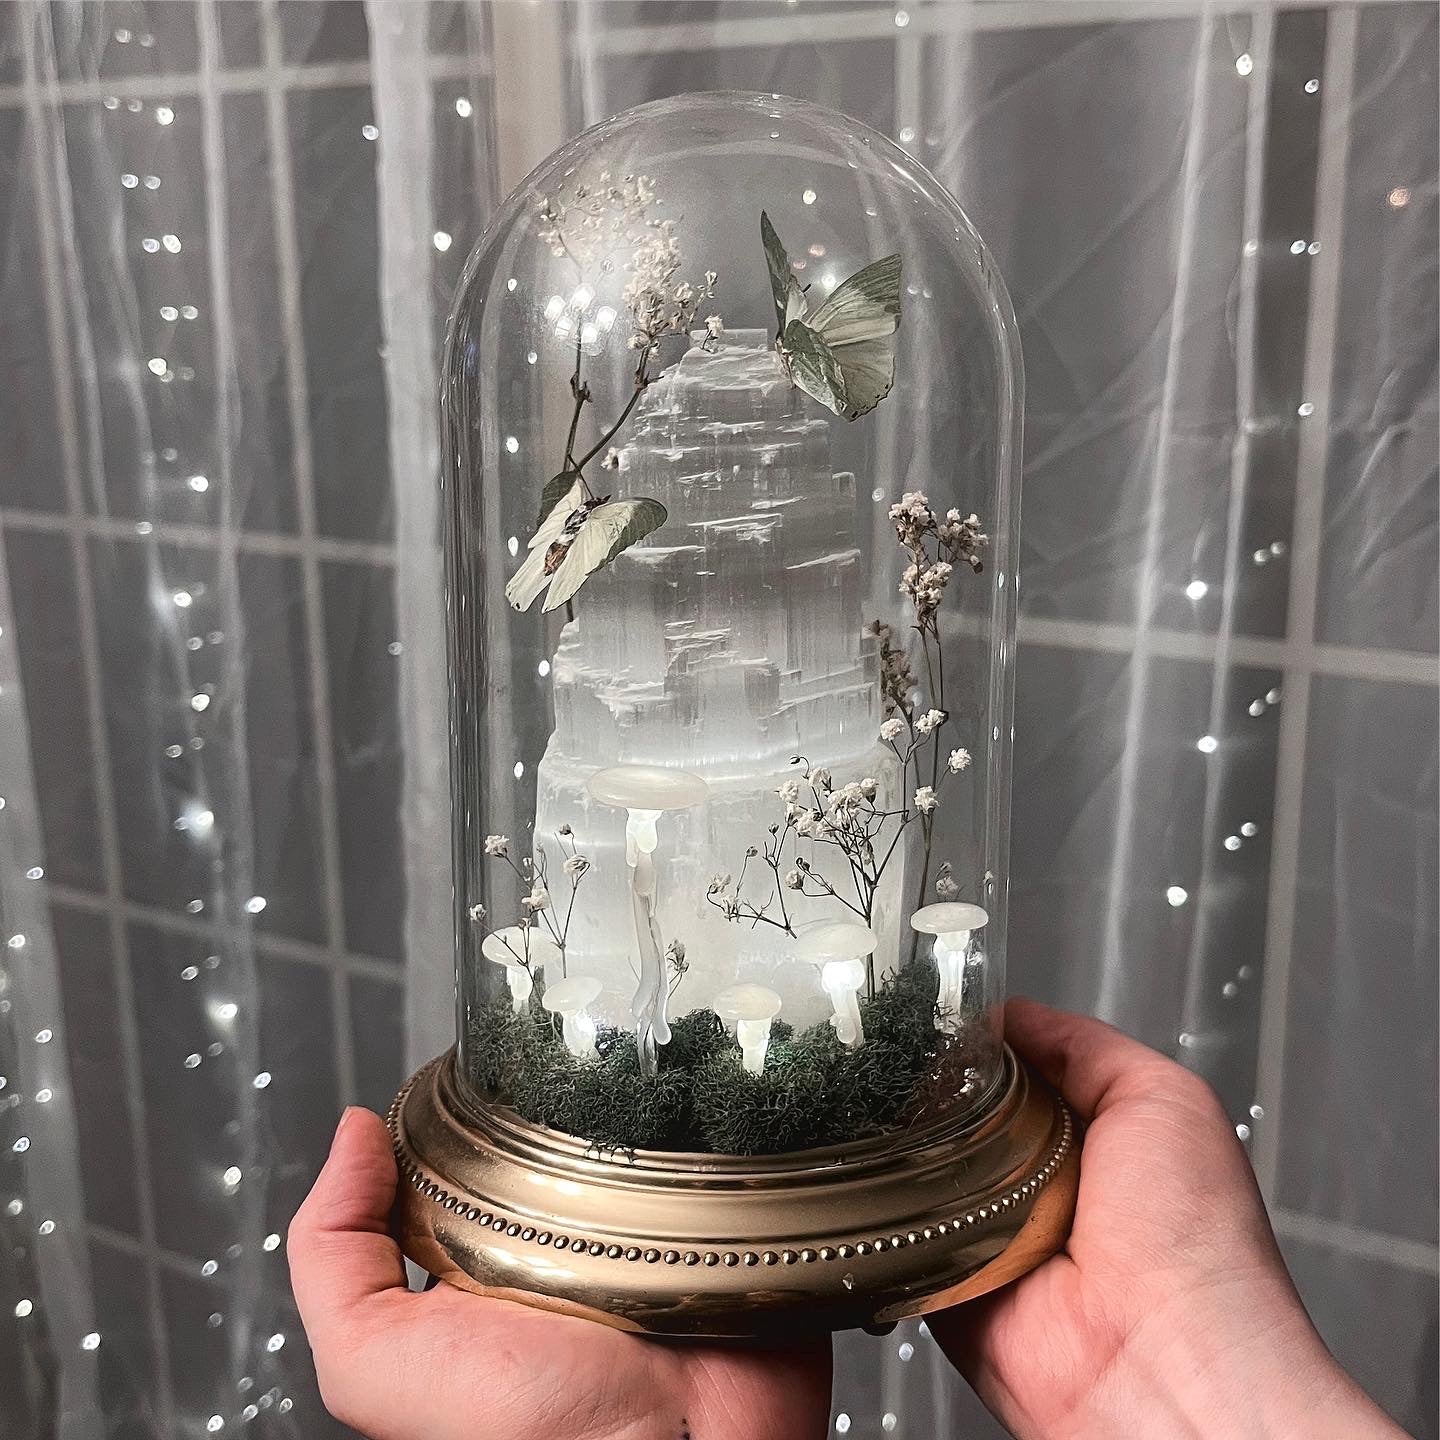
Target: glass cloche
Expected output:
[732,407]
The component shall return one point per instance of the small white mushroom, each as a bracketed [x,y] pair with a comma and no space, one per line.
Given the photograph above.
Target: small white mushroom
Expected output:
[750,1009]
[509,947]
[568,999]
[645,792]
[839,950]
[952,924]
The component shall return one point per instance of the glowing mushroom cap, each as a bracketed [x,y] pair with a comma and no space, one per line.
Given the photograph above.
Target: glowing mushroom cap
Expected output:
[838,940]
[949,918]
[746,1002]
[507,946]
[568,997]
[647,787]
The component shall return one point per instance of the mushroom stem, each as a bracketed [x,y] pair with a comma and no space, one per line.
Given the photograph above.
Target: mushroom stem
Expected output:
[754,1038]
[577,1029]
[842,985]
[652,1028]
[950,952]
[521,984]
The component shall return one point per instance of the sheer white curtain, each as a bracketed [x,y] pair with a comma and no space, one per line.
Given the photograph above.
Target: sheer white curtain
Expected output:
[231,229]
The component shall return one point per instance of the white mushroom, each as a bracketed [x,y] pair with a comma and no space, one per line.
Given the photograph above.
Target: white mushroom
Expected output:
[839,950]
[509,947]
[952,924]
[645,792]
[750,1008]
[568,999]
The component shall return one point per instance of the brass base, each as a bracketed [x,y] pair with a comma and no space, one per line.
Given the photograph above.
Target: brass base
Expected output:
[684,1244]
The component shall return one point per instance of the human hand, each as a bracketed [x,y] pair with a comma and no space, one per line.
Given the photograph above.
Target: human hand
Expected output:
[449,1365]
[1170,1311]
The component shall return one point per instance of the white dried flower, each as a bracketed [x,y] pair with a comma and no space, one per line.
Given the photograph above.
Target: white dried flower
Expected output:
[538,899]
[612,459]
[930,720]
[793,879]
[476,912]
[820,779]
[497,844]
[564,831]
[805,822]
[958,761]
[946,888]
[891,728]
[926,800]
[789,792]
[869,787]
[714,327]
[576,866]
[717,884]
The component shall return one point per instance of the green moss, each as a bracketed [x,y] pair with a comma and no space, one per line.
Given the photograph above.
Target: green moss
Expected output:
[813,1091]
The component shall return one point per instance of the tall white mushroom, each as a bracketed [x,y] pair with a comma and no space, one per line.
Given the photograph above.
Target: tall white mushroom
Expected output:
[839,950]
[568,999]
[645,792]
[750,1009]
[952,924]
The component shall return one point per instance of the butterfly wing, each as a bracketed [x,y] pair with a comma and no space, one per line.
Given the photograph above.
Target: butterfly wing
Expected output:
[608,529]
[813,367]
[867,369]
[865,307]
[530,579]
[789,298]
[857,325]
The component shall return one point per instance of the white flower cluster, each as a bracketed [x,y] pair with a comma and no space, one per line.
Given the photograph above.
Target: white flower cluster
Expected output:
[658,306]
[964,537]
[913,517]
[959,760]
[718,894]
[925,588]
[956,538]
[597,222]
[497,844]
[930,721]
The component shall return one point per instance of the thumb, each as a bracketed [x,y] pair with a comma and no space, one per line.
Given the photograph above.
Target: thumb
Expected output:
[340,1250]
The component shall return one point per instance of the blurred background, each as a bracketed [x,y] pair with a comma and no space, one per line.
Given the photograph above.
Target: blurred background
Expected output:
[229,231]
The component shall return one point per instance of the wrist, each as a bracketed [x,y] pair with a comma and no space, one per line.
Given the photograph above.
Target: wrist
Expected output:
[1247,1363]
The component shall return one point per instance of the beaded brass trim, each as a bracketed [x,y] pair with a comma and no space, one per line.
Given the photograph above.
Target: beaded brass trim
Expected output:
[497,1221]
[668,1243]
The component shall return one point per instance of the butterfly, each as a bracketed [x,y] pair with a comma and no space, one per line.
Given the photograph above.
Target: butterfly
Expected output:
[842,354]
[578,535]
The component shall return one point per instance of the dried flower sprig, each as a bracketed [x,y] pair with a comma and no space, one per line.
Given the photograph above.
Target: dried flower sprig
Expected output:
[537,904]
[676,963]
[934,546]
[596,229]
[847,817]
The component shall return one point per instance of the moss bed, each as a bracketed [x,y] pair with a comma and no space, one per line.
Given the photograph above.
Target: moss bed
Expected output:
[813,1091]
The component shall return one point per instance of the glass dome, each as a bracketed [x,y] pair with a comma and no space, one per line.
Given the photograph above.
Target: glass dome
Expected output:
[731,395]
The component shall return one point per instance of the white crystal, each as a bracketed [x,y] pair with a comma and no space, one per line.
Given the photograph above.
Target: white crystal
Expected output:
[726,643]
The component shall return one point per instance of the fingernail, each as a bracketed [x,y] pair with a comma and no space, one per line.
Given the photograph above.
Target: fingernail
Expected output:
[346,1119]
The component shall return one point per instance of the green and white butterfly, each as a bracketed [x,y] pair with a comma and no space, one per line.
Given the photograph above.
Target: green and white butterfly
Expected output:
[578,534]
[842,354]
